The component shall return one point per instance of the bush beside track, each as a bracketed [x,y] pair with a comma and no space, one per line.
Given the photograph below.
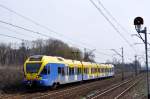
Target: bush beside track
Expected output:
[10,79]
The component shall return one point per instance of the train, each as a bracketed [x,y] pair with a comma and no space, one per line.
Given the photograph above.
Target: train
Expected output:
[42,70]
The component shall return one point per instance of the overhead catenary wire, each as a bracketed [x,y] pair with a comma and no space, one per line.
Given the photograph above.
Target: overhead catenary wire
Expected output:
[37,23]
[113,18]
[45,27]
[16,31]
[109,21]
[41,25]
[26,18]
[29,30]
[4,35]
[36,33]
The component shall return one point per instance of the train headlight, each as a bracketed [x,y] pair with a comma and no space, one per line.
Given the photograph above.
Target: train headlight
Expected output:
[37,76]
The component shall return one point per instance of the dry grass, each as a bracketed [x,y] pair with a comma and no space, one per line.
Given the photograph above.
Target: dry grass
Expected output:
[11,78]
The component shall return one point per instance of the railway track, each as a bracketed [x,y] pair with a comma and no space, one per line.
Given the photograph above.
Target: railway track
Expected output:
[116,91]
[74,91]
[6,96]
[58,92]
[38,95]
[65,92]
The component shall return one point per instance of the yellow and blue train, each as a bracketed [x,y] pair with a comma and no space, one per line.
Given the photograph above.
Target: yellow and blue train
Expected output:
[45,70]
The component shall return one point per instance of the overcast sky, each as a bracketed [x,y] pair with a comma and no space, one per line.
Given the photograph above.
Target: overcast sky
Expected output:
[78,23]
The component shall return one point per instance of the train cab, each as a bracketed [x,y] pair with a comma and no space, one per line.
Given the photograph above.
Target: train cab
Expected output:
[39,70]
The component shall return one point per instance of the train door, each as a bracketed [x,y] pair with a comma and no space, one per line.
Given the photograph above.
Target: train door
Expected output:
[71,74]
[61,73]
[66,73]
[75,74]
[45,74]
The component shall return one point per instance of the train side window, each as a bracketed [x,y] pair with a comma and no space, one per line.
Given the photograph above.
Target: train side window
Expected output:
[81,70]
[75,70]
[59,70]
[95,70]
[92,70]
[78,71]
[99,70]
[103,70]
[71,71]
[62,71]
[86,70]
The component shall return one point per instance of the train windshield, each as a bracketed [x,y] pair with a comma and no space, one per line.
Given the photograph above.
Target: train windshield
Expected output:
[33,67]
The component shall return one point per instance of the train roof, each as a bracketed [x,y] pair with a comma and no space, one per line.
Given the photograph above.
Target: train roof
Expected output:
[86,63]
[77,63]
[54,59]
[69,62]
[94,65]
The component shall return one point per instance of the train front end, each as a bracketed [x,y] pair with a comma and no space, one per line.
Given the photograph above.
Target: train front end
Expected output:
[33,69]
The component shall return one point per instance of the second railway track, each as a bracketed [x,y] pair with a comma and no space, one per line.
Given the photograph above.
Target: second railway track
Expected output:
[117,90]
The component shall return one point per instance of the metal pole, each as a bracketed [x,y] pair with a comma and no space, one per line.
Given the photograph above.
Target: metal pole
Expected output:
[122,64]
[146,62]
[82,69]
[122,57]
[135,65]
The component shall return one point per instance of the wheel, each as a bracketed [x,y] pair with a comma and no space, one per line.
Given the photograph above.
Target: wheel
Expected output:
[54,86]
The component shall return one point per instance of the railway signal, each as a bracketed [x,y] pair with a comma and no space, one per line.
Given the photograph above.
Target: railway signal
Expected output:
[138,22]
